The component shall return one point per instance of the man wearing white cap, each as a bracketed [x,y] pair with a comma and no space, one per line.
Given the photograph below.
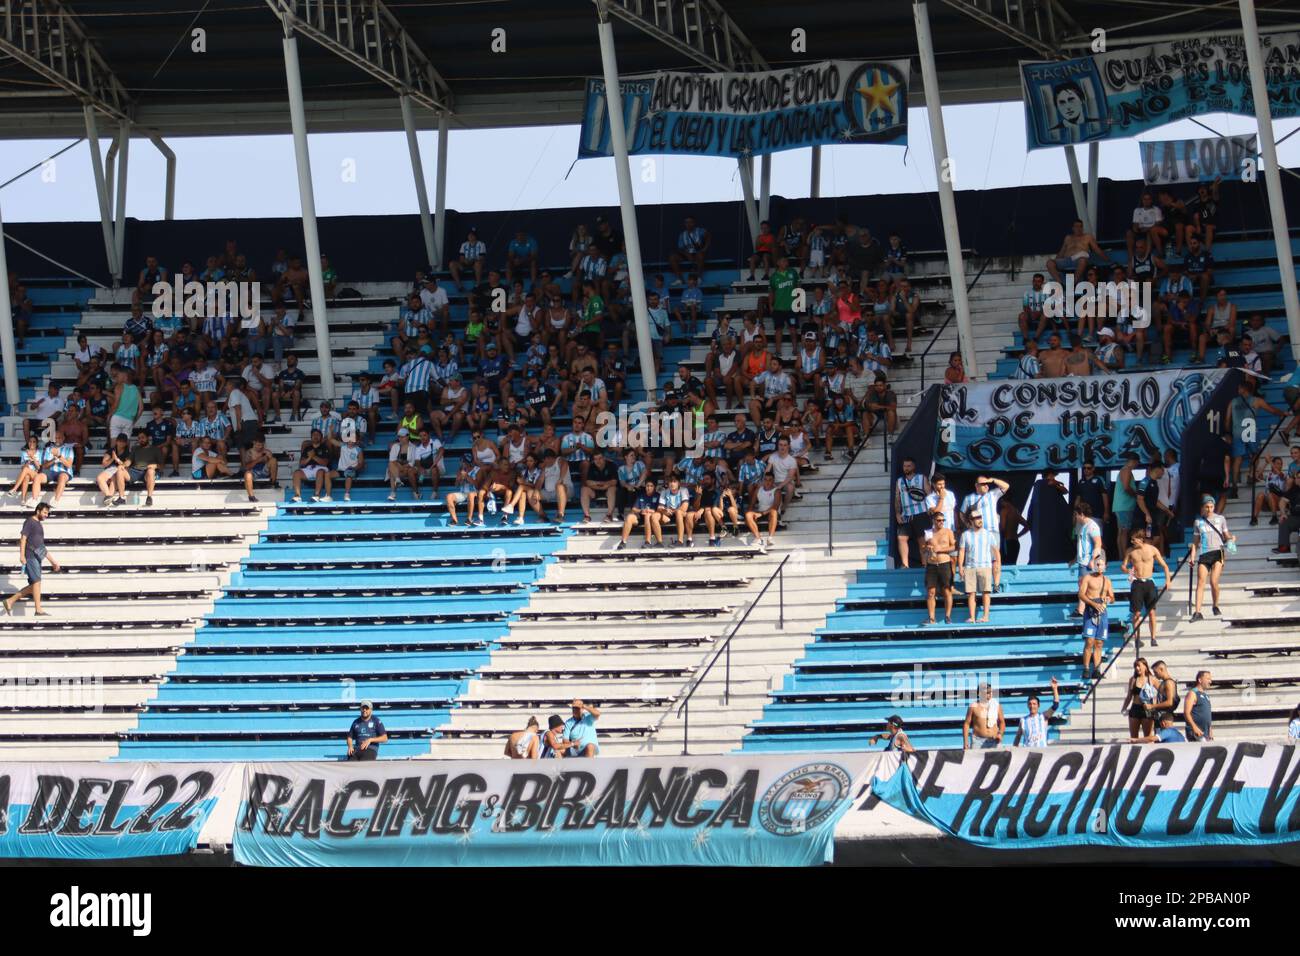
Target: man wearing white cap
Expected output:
[1110,353]
[366,734]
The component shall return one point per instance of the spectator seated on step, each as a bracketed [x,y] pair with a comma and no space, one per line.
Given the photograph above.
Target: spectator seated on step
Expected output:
[315,466]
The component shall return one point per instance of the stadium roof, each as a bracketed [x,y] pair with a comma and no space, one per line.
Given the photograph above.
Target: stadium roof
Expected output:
[238,84]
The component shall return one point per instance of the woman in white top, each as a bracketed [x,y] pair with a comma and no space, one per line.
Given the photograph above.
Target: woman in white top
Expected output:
[30,476]
[515,453]
[485,453]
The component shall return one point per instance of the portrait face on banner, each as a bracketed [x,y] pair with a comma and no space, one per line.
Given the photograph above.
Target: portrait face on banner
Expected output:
[1065,102]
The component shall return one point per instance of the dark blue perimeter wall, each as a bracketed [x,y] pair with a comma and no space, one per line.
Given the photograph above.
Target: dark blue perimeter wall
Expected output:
[993,222]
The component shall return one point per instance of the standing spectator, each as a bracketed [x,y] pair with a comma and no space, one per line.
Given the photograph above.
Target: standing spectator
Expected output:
[1139,563]
[580,730]
[1088,544]
[352,461]
[1147,223]
[366,734]
[125,403]
[1293,725]
[984,500]
[1143,691]
[1166,701]
[911,520]
[897,740]
[979,564]
[938,549]
[941,499]
[1197,710]
[31,555]
[1211,541]
[1095,597]
[692,243]
[1033,726]
[985,722]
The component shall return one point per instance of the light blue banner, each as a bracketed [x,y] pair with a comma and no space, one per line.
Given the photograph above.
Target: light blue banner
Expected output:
[752,114]
[106,811]
[1131,795]
[778,810]
[1033,424]
[1126,92]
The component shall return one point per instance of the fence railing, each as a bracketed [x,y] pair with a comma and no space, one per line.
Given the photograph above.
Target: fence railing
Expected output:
[684,708]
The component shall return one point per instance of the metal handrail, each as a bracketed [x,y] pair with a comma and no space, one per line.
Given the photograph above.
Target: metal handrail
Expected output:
[830,497]
[1135,635]
[951,315]
[685,705]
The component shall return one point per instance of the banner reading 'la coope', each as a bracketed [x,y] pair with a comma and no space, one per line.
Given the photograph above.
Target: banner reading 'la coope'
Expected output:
[711,811]
[1196,160]
[752,114]
[1062,422]
[1126,92]
[1135,795]
[106,811]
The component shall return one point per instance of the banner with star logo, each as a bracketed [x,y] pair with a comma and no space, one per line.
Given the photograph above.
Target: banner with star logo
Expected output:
[753,114]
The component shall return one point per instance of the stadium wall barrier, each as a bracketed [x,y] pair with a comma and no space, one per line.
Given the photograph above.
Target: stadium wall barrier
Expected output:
[1203,442]
[915,441]
[750,810]
[996,222]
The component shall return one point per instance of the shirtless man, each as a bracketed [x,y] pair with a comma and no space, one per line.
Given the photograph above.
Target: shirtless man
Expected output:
[938,548]
[985,722]
[525,744]
[1075,250]
[1139,563]
[1052,359]
[1095,594]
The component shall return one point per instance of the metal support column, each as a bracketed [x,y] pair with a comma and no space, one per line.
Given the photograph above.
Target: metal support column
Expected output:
[627,207]
[947,201]
[815,186]
[101,187]
[311,240]
[1094,163]
[417,170]
[764,187]
[746,166]
[440,198]
[7,333]
[1076,187]
[119,232]
[169,199]
[1272,177]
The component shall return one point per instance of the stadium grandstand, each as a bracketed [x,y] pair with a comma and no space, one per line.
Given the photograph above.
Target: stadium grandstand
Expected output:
[819,509]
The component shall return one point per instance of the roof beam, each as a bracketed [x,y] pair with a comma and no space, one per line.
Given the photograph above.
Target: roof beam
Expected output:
[46,37]
[369,36]
[698,29]
[1039,25]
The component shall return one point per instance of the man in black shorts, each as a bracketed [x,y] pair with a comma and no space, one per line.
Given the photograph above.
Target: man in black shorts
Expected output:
[146,459]
[938,547]
[1139,564]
